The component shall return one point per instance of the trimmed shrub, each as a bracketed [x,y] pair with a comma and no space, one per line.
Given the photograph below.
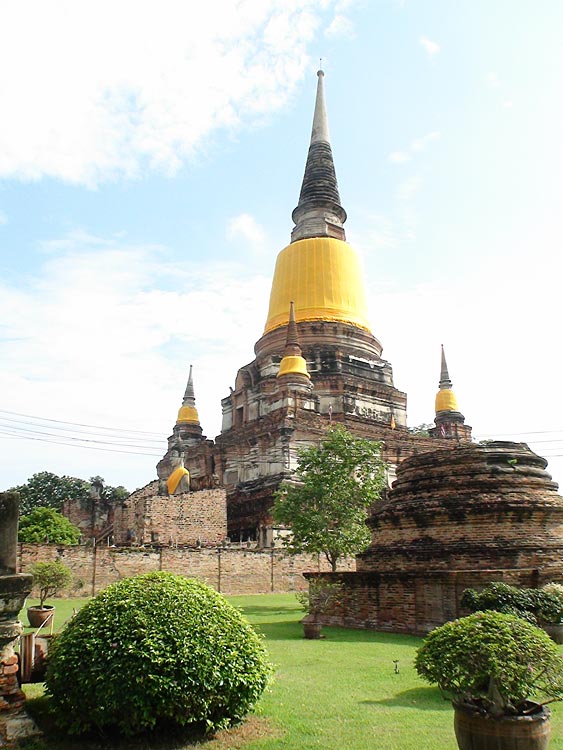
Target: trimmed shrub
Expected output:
[494,660]
[155,649]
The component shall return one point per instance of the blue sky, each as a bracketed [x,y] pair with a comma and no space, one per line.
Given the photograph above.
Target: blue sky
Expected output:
[150,158]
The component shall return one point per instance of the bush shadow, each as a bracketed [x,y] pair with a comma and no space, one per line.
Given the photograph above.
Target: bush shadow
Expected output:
[420,699]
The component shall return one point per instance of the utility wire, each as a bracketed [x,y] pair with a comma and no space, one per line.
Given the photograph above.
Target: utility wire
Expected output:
[78,424]
[74,445]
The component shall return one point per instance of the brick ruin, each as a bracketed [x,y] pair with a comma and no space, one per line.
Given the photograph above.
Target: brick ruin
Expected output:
[454,519]
[316,363]
[457,515]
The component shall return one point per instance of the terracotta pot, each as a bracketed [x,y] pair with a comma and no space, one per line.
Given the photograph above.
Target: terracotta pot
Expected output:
[39,615]
[312,630]
[479,731]
[554,631]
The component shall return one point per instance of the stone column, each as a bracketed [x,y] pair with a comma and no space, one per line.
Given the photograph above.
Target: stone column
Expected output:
[14,589]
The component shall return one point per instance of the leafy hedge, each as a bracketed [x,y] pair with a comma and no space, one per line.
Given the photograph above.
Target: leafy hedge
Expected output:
[155,648]
[498,661]
[533,605]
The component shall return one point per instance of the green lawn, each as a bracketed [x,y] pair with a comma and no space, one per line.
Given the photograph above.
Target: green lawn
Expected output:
[339,692]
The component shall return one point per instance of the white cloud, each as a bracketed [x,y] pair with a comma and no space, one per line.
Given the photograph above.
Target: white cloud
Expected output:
[416,146]
[245,227]
[3,218]
[420,144]
[104,89]
[432,48]
[399,157]
[341,26]
[493,80]
[100,335]
[409,188]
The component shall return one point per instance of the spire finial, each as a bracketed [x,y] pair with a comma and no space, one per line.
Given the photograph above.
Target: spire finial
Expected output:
[445,382]
[319,213]
[188,411]
[293,364]
[189,395]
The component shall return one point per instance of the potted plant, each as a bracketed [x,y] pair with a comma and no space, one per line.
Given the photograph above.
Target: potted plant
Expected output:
[550,611]
[319,598]
[50,578]
[500,672]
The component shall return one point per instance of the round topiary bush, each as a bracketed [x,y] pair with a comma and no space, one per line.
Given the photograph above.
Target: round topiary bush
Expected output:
[155,648]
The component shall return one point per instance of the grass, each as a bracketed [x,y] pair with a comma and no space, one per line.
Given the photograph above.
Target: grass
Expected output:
[341,691]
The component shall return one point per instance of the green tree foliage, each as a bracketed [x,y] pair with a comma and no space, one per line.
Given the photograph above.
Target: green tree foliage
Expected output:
[338,481]
[47,525]
[109,494]
[47,490]
[152,649]
[50,578]
[497,660]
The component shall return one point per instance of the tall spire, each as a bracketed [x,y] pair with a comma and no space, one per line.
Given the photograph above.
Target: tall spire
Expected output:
[293,367]
[188,412]
[445,398]
[445,382]
[319,213]
[449,421]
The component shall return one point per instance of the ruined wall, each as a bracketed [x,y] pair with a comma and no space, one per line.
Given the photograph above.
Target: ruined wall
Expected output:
[228,570]
[91,515]
[191,518]
[412,603]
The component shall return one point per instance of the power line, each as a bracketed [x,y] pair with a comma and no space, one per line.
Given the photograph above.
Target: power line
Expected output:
[111,439]
[79,424]
[18,432]
[5,436]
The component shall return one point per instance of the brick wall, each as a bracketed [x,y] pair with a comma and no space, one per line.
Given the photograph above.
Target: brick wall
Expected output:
[231,570]
[186,519]
[412,602]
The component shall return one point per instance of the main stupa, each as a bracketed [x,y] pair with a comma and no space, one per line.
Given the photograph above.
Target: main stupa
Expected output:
[317,362]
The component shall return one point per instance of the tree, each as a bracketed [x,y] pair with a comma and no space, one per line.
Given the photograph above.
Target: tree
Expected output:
[47,490]
[108,493]
[337,482]
[47,525]
[50,577]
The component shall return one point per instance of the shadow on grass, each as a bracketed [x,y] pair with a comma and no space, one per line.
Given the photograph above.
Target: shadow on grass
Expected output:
[256,611]
[421,698]
[292,629]
[164,737]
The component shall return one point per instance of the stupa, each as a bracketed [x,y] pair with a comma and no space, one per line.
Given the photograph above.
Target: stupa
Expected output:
[284,400]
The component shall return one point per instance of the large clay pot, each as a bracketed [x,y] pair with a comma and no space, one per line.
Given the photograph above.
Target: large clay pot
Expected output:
[475,730]
[312,630]
[39,615]
[555,632]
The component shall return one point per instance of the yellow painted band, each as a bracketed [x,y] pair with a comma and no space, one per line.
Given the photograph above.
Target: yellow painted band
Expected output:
[187,414]
[323,277]
[446,401]
[293,364]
